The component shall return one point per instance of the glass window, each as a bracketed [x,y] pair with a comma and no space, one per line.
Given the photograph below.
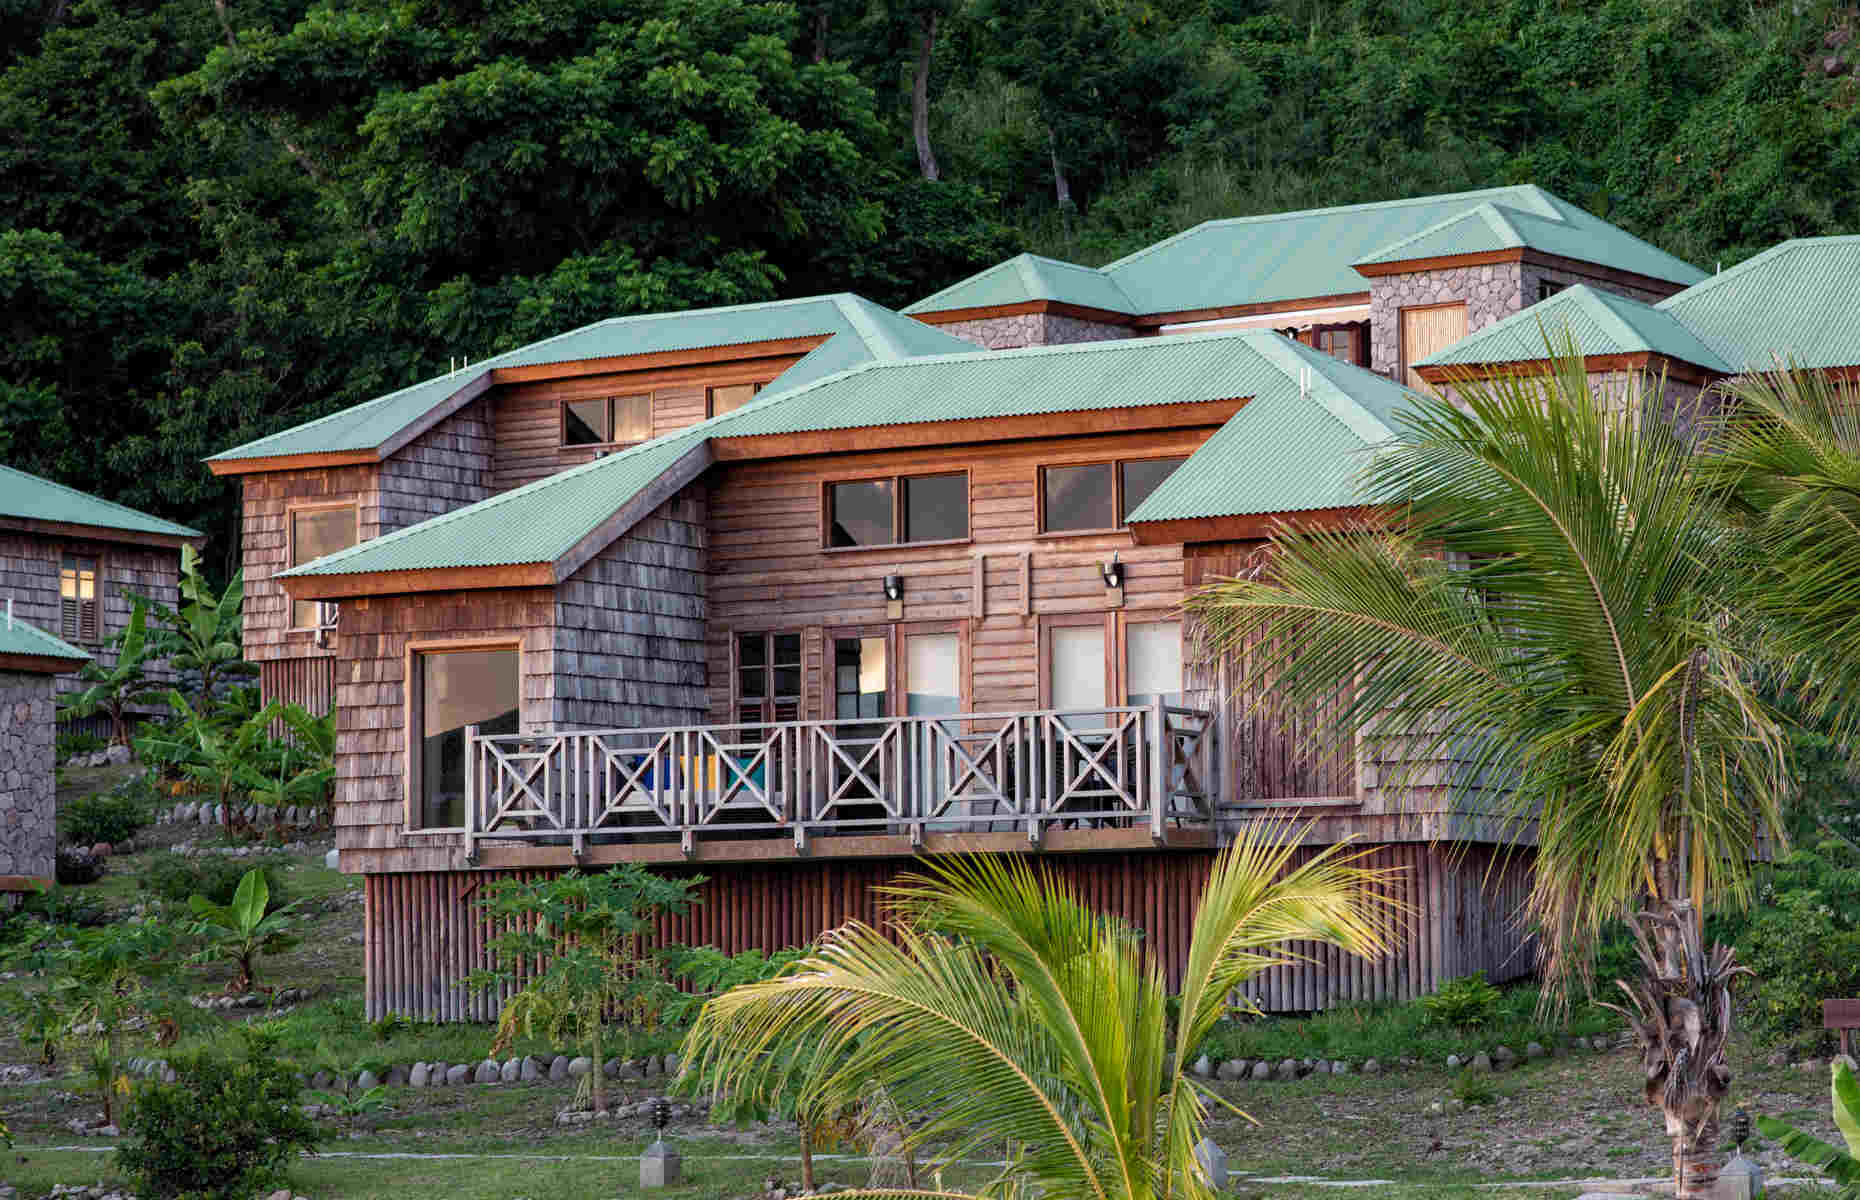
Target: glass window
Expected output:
[458,688]
[1153,662]
[1547,289]
[314,533]
[632,419]
[1141,478]
[860,678]
[932,674]
[1079,497]
[936,508]
[768,677]
[584,422]
[77,594]
[1075,667]
[861,513]
[1338,343]
[731,398]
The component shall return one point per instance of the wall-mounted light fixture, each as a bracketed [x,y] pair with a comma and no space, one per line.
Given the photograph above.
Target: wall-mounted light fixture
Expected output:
[1112,571]
[894,597]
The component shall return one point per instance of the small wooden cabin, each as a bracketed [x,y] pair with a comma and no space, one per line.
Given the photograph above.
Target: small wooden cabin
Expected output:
[794,594]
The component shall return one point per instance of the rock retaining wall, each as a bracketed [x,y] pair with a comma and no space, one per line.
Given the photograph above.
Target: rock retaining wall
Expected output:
[28,797]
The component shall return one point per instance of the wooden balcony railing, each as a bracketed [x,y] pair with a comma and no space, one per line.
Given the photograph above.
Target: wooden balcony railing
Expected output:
[1135,767]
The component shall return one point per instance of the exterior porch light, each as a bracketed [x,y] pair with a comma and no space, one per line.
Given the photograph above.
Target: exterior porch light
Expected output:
[894,588]
[1113,572]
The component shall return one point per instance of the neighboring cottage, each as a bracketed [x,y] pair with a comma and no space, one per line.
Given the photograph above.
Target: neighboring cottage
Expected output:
[30,663]
[794,593]
[69,561]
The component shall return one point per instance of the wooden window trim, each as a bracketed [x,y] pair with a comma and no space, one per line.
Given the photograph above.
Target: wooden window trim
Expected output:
[1115,623]
[736,667]
[607,398]
[1123,619]
[896,480]
[99,635]
[710,394]
[896,685]
[1117,492]
[412,713]
[291,510]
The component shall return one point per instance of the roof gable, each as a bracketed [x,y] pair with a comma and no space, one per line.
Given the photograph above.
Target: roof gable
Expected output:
[20,641]
[1597,322]
[31,498]
[1027,278]
[1797,303]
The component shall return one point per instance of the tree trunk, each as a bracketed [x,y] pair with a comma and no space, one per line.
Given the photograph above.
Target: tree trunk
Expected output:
[920,99]
[1680,1011]
[1062,190]
[597,1077]
[807,1154]
[820,34]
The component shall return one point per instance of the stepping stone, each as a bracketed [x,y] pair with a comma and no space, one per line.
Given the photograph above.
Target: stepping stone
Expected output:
[1483,1062]
[367,1079]
[1340,1068]
[511,1071]
[488,1072]
[558,1068]
[1262,1069]
[533,1069]
[396,1076]
[1372,1067]
[456,1076]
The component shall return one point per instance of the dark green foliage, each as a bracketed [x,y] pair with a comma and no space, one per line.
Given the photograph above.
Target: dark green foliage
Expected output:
[1802,939]
[1468,1002]
[702,972]
[226,1129]
[175,877]
[103,817]
[76,741]
[76,864]
[61,905]
[1840,1164]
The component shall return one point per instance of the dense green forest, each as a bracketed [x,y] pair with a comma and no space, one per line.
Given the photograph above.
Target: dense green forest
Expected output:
[220,217]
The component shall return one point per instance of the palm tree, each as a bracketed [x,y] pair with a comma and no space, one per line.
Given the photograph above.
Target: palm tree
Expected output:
[1787,459]
[1003,1009]
[1546,618]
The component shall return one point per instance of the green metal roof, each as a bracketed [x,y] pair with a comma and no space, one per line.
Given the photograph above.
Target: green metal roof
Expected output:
[1300,455]
[32,498]
[1597,322]
[17,637]
[1030,277]
[1798,302]
[857,331]
[1301,255]
[1301,443]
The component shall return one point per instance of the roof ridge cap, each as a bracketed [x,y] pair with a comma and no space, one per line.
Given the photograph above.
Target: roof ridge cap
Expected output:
[1779,250]
[92,496]
[1029,276]
[1612,317]
[875,337]
[992,268]
[1278,350]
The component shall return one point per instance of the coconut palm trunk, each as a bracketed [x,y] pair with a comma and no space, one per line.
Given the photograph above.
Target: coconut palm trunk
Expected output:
[1546,614]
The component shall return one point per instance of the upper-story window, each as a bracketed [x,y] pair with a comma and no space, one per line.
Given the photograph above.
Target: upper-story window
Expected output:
[606,420]
[1096,496]
[77,595]
[1338,341]
[889,511]
[731,398]
[315,532]
[1547,288]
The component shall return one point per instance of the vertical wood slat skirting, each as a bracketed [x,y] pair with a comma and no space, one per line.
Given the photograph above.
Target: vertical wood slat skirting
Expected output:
[425,932]
[309,682]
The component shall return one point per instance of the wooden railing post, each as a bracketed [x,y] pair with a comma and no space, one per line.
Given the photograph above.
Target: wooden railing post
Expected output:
[1160,767]
[472,752]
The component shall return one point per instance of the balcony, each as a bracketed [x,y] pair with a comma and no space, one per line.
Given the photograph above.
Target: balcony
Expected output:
[1113,778]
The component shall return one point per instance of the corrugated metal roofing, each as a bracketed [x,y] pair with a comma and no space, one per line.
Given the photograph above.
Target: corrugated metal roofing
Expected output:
[1798,302]
[17,637]
[32,498]
[1030,277]
[1297,445]
[1598,322]
[1300,255]
[857,331]
[1298,466]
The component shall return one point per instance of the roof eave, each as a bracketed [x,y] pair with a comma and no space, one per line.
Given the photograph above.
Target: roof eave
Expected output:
[1524,254]
[1440,374]
[41,664]
[1057,308]
[104,533]
[1241,527]
[430,579]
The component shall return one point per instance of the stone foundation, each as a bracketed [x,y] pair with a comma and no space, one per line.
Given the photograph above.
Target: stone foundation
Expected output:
[28,799]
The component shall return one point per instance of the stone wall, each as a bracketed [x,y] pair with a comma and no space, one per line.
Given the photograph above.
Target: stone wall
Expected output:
[1491,292]
[1034,329]
[28,803]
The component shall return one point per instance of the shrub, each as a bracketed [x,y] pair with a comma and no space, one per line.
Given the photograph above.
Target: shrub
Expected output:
[76,741]
[77,865]
[223,1130]
[1473,1089]
[105,817]
[175,877]
[62,906]
[1802,941]
[1464,1003]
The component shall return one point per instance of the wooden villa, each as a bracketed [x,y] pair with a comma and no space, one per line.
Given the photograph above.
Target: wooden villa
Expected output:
[792,594]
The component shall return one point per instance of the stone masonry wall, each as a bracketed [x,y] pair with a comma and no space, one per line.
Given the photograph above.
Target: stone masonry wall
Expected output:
[27,797]
[1033,329]
[1491,293]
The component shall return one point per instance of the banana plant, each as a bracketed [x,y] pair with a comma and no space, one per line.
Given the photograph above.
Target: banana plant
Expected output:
[204,634]
[1842,1166]
[114,690]
[242,931]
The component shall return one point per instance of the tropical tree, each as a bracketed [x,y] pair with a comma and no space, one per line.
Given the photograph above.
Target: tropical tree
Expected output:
[1787,459]
[204,634]
[242,931]
[236,755]
[1842,1166]
[1546,615]
[115,689]
[109,979]
[1003,1008]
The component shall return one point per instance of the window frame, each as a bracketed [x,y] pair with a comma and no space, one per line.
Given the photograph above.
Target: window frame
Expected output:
[1117,492]
[413,713]
[768,696]
[76,637]
[896,480]
[1115,623]
[897,689]
[290,547]
[609,399]
[710,395]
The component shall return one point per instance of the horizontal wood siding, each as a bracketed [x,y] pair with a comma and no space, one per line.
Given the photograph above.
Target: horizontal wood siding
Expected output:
[629,626]
[29,568]
[371,714]
[445,468]
[424,934]
[769,571]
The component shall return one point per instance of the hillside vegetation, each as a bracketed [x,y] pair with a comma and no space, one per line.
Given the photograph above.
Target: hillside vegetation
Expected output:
[222,217]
